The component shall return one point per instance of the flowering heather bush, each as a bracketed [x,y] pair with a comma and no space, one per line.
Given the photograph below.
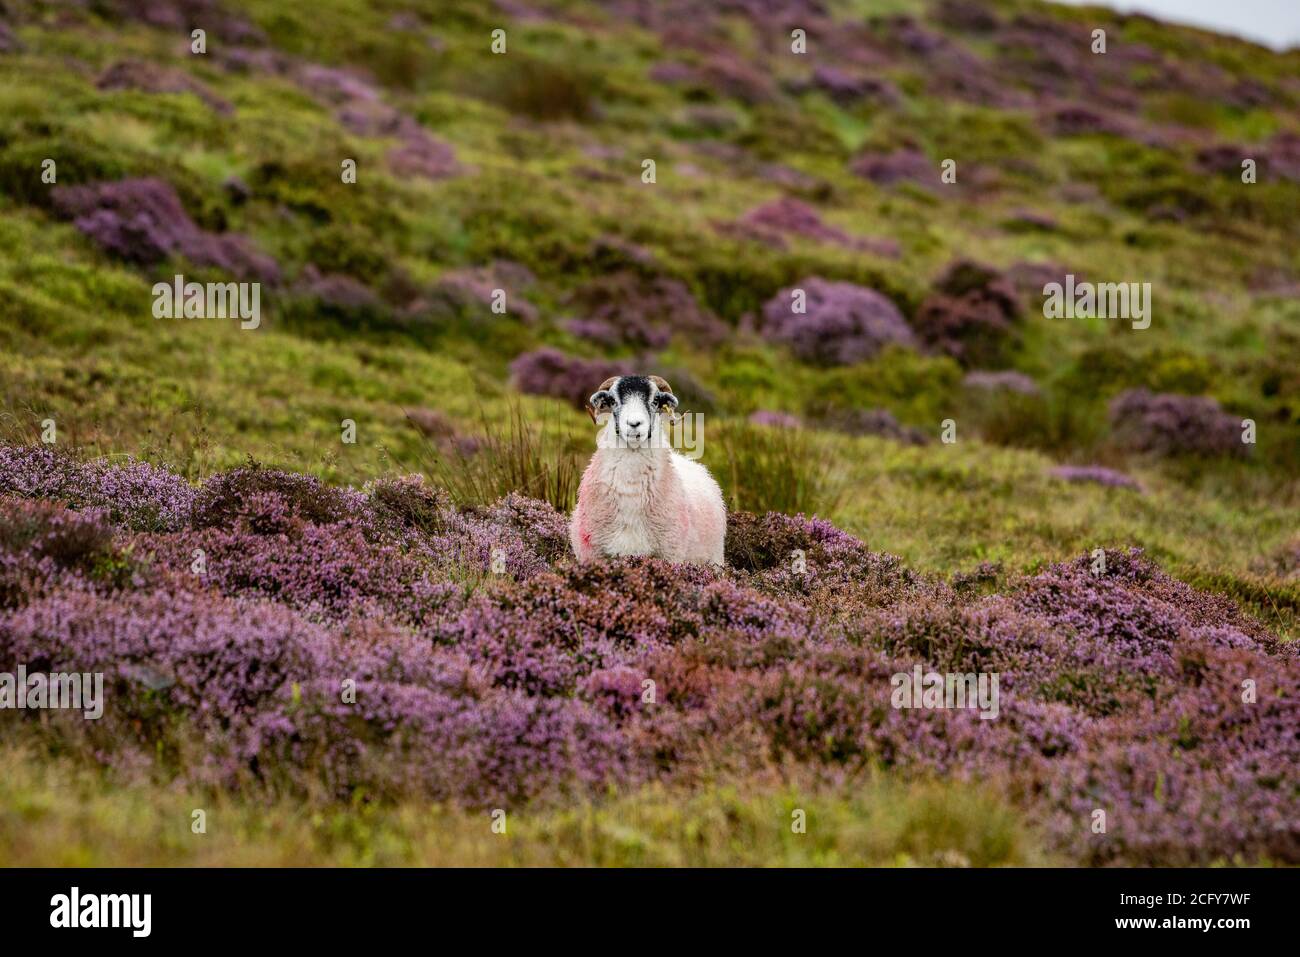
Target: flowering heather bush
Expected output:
[360,107]
[142,221]
[473,289]
[180,15]
[781,420]
[1120,689]
[888,169]
[422,154]
[971,316]
[43,542]
[224,498]
[337,293]
[152,78]
[1097,474]
[1007,379]
[844,323]
[551,372]
[879,422]
[137,495]
[1170,424]
[773,221]
[848,88]
[630,309]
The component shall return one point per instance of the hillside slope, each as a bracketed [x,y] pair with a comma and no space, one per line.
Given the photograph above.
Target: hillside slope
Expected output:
[457,233]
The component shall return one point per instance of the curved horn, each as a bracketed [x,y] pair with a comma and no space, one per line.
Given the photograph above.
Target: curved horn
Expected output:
[660,383]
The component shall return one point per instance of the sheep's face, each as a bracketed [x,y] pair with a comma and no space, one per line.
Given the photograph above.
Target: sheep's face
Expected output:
[634,403]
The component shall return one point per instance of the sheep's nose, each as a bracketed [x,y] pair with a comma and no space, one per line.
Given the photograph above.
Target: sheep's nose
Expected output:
[634,425]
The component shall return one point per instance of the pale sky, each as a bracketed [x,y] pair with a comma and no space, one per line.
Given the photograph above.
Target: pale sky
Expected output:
[1274,23]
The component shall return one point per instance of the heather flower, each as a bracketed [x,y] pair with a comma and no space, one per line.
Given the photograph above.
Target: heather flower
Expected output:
[338,293]
[360,107]
[550,372]
[1120,686]
[142,221]
[135,494]
[423,154]
[222,499]
[1097,474]
[43,544]
[152,78]
[781,420]
[879,422]
[474,289]
[971,316]
[1171,424]
[843,323]
[848,88]
[773,221]
[904,165]
[627,308]
[1006,379]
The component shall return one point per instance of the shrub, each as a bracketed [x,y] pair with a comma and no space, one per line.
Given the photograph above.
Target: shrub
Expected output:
[225,497]
[1007,379]
[1096,474]
[152,78]
[880,422]
[142,221]
[1116,683]
[843,323]
[553,373]
[1172,424]
[625,308]
[888,169]
[135,494]
[772,222]
[472,291]
[40,541]
[970,316]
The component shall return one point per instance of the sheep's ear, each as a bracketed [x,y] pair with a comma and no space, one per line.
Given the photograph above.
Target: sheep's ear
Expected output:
[601,401]
[665,395]
[665,400]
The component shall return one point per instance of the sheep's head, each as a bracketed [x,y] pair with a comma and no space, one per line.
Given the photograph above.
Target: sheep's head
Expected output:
[634,403]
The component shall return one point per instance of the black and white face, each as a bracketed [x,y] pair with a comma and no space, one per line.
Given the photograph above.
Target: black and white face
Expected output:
[634,403]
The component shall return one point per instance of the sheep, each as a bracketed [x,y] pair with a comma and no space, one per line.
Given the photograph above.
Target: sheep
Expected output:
[638,496]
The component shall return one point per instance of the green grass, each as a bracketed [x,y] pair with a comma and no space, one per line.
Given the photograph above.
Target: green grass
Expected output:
[54,812]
